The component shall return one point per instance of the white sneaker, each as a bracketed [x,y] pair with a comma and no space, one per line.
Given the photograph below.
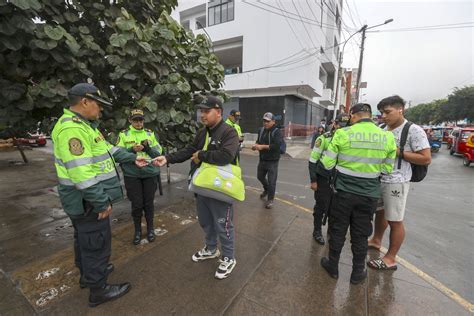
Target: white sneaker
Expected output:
[205,254]
[225,268]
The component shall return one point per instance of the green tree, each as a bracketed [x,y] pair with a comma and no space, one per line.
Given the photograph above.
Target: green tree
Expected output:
[132,50]
[460,104]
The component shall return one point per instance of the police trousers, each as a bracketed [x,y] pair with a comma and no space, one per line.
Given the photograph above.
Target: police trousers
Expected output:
[322,197]
[141,192]
[217,220]
[92,248]
[354,211]
[268,168]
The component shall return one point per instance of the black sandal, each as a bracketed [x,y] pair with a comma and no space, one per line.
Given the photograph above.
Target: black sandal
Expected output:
[379,264]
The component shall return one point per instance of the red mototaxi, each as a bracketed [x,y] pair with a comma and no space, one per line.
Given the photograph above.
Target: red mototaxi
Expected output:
[460,139]
[469,154]
[32,139]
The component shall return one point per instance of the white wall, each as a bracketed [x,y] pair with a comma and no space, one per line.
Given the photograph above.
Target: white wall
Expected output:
[268,38]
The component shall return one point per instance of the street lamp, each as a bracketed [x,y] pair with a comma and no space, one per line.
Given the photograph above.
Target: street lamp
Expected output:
[359,72]
[341,55]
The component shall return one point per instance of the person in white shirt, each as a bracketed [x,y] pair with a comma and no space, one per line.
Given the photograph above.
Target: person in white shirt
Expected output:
[395,186]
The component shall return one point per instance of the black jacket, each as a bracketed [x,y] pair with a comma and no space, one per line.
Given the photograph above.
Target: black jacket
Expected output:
[222,148]
[272,138]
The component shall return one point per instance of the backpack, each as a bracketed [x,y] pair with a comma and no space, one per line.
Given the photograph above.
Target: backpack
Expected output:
[418,173]
[282,144]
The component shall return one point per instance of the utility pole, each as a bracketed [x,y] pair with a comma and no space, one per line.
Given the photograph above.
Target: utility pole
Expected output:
[359,72]
[361,57]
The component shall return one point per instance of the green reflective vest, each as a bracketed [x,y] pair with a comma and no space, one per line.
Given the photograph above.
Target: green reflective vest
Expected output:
[360,153]
[130,137]
[223,183]
[320,145]
[234,125]
[84,165]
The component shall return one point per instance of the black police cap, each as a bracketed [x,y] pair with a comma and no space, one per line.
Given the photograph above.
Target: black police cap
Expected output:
[361,107]
[87,90]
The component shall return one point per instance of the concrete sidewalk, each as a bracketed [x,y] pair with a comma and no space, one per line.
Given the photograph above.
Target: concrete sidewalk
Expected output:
[277,270]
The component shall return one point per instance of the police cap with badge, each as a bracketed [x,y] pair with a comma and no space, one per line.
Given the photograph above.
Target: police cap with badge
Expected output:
[89,91]
[137,114]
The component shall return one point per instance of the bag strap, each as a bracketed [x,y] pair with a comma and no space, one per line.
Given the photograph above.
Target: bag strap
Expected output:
[403,140]
[206,143]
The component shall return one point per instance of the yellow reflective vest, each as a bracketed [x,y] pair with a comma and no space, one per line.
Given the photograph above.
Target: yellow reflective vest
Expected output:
[360,153]
[130,137]
[85,164]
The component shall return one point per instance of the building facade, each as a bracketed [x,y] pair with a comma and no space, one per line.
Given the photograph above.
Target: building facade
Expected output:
[279,56]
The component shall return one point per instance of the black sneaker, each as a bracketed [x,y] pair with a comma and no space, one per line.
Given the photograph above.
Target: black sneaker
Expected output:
[269,204]
[264,194]
[332,270]
[205,254]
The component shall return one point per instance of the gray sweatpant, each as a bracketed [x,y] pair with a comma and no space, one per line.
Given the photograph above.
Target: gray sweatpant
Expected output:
[217,219]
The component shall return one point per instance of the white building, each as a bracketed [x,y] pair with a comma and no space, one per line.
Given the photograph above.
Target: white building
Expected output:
[280,55]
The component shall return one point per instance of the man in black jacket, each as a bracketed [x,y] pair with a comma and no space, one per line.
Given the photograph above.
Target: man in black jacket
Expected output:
[268,145]
[215,217]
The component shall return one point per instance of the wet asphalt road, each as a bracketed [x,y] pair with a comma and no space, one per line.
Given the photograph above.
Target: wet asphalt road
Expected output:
[439,221]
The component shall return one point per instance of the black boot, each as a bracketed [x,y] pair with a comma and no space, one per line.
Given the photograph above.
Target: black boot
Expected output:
[330,267]
[359,273]
[107,293]
[150,229]
[108,271]
[318,237]
[138,231]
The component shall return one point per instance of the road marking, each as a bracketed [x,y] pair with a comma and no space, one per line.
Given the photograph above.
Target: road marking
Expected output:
[432,281]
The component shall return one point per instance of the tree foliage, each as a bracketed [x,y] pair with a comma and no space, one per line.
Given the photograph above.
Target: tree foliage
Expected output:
[459,105]
[133,51]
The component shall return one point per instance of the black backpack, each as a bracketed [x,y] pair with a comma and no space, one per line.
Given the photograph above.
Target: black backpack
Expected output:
[418,173]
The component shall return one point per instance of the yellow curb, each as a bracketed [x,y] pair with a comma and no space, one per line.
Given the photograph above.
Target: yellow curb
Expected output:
[435,283]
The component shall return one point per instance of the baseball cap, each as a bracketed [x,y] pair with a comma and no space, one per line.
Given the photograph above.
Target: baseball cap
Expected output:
[88,91]
[210,102]
[361,107]
[137,113]
[235,113]
[268,116]
[343,119]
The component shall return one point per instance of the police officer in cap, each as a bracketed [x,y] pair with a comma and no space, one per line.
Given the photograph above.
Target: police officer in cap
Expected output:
[233,120]
[215,216]
[88,185]
[359,154]
[319,177]
[141,183]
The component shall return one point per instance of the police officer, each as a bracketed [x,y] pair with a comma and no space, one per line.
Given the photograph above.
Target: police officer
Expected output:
[88,185]
[141,183]
[233,120]
[215,217]
[320,178]
[359,153]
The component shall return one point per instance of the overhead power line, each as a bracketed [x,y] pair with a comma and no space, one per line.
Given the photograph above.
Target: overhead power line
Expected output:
[429,27]
[291,15]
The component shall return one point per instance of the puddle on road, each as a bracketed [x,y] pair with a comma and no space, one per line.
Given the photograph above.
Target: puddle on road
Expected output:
[44,282]
[46,274]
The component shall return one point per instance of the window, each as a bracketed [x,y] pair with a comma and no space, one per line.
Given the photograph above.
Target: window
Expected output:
[220,11]
[185,24]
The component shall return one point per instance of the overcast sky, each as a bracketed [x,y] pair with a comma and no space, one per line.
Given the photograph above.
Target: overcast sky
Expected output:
[419,66]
